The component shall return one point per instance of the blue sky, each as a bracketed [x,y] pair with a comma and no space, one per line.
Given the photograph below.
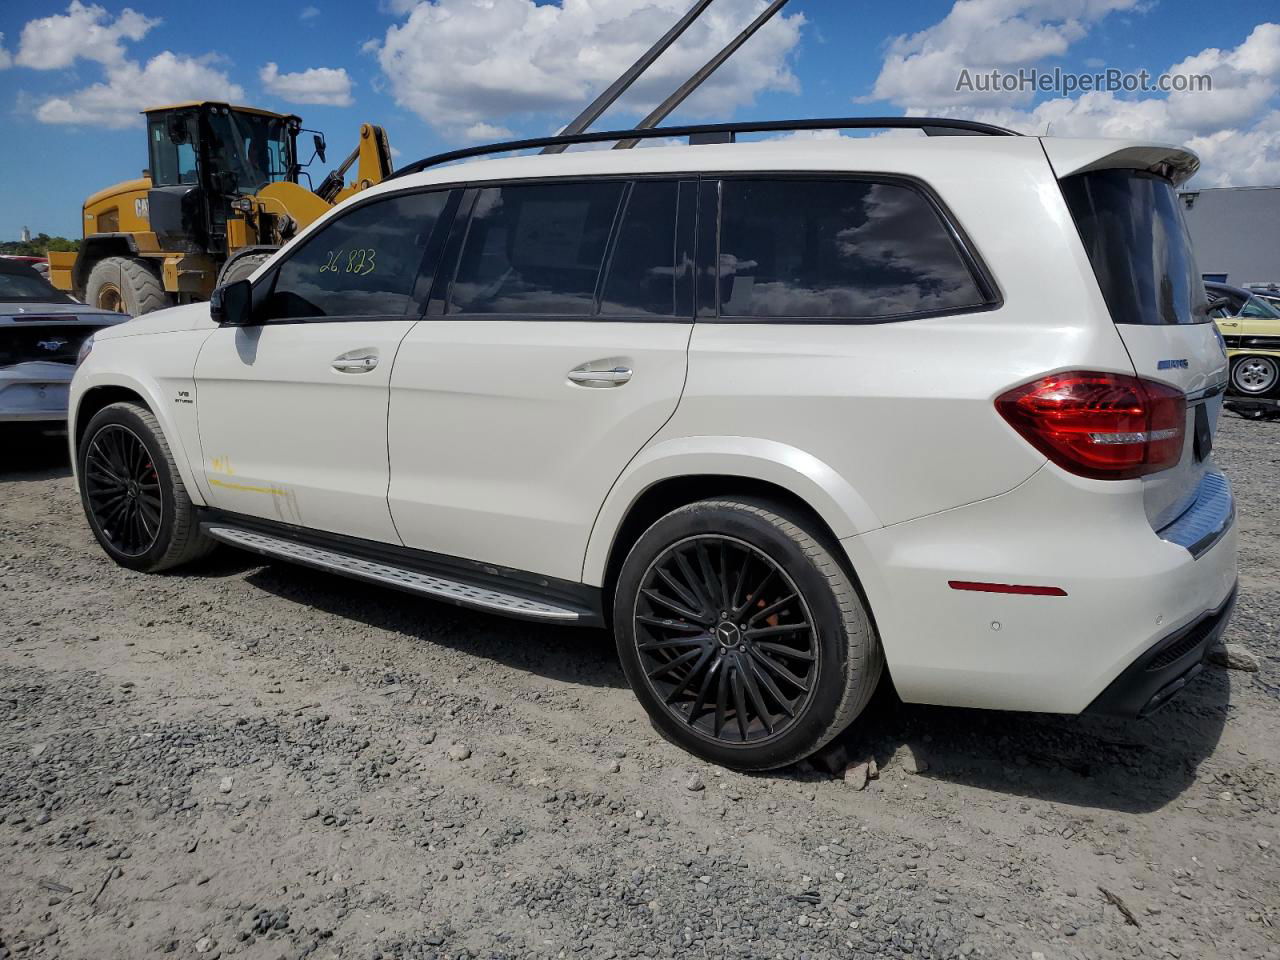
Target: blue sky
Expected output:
[442,73]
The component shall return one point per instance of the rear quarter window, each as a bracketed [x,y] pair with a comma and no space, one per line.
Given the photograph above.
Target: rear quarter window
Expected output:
[837,249]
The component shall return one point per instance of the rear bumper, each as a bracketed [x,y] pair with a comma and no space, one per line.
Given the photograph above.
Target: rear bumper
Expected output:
[1162,672]
[34,391]
[1128,589]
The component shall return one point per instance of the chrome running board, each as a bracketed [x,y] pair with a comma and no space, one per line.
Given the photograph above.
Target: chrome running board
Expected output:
[425,584]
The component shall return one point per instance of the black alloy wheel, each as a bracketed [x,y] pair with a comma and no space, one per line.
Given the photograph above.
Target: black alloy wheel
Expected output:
[726,639]
[132,491]
[122,490]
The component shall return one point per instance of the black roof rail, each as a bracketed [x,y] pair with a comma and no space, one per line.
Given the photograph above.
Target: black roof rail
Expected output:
[932,126]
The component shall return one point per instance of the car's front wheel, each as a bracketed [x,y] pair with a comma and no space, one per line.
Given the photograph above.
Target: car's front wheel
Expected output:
[132,493]
[741,634]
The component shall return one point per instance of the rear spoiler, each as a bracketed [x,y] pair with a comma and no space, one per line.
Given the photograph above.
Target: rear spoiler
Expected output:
[1070,156]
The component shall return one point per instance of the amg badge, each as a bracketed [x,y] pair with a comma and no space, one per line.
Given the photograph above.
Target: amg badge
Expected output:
[1172,365]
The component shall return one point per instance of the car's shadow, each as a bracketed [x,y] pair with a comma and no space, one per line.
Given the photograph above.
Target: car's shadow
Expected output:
[1085,761]
[569,654]
[33,452]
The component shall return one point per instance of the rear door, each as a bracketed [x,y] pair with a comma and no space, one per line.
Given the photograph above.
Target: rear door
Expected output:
[543,365]
[1131,224]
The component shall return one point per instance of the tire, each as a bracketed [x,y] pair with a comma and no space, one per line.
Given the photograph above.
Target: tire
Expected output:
[690,654]
[242,267]
[170,534]
[1254,375]
[126,285]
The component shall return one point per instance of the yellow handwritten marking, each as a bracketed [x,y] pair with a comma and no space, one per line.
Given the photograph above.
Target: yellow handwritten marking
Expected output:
[274,491]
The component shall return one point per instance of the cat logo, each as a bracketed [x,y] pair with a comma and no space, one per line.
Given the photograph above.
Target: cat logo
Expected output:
[141,209]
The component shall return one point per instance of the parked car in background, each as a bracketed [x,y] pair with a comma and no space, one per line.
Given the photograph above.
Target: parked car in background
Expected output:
[41,333]
[1250,326]
[1269,292]
[784,415]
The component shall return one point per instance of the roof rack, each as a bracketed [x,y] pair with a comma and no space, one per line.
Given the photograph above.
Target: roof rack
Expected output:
[719,132]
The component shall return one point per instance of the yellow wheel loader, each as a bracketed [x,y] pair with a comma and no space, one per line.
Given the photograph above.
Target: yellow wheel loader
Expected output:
[221,193]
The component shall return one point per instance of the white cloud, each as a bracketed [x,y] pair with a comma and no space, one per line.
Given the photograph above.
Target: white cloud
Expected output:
[166,77]
[1235,127]
[323,85]
[458,63]
[6,58]
[89,32]
[981,35]
[487,131]
[309,13]
[83,32]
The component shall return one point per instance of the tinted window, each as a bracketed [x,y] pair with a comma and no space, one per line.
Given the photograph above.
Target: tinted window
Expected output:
[838,249]
[361,264]
[1138,244]
[535,249]
[642,270]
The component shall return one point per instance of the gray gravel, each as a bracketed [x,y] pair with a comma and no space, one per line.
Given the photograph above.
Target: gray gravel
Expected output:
[260,761]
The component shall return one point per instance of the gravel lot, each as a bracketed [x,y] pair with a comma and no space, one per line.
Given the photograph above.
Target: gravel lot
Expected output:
[256,760]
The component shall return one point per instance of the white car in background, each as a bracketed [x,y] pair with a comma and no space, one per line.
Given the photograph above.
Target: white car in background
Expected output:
[785,415]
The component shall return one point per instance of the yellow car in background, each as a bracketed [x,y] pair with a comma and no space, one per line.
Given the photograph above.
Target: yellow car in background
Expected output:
[1250,326]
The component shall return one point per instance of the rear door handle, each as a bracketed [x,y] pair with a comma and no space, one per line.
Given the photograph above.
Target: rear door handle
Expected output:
[356,361]
[600,378]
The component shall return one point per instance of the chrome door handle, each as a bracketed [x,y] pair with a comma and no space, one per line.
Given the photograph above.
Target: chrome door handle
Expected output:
[357,361]
[600,378]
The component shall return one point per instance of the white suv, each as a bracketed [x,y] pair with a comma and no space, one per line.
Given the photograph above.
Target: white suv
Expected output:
[787,415]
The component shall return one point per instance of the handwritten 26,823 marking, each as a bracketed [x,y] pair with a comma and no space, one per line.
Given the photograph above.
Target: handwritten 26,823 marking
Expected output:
[361,261]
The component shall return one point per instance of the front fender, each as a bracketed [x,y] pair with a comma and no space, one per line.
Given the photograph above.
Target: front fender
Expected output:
[780,464]
[166,384]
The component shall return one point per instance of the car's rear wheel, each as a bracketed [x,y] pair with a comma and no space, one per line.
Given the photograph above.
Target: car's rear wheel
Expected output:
[1255,375]
[741,634]
[132,493]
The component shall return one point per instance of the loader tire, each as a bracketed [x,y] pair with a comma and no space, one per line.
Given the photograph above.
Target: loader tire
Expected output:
[126,285]
[242,268]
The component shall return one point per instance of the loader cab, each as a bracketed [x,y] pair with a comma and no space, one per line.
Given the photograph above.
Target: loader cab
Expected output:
[205,156]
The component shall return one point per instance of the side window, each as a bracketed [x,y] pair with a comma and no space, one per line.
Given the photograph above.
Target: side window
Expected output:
[837,249]
[535,249]
[364,263]
[641,279]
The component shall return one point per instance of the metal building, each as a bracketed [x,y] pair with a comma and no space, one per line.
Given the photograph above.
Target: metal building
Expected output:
[1236,232]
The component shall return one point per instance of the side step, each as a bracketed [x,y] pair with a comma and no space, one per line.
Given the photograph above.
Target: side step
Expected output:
[438,588]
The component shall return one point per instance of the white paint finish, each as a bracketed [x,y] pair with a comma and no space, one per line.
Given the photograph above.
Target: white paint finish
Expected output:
[1126,590]
[286,437]
[786,466]
[903,413]
[1170,491]
[157,369]
[496,456]
[191,316]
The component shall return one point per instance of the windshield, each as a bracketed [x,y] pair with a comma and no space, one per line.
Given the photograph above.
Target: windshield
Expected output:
[253,148]
[1133,231]
[24,286]
[1257,307]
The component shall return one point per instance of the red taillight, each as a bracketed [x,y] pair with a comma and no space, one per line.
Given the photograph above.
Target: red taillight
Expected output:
[1102,425]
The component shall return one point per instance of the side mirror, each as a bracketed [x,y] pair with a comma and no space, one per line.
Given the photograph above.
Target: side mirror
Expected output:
[318,140]
[232,304]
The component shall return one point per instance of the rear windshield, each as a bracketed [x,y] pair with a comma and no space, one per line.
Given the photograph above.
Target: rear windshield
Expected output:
[27,285]
[1132,228]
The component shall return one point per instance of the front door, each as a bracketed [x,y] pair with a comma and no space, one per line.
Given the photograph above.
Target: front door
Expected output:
[558,350]
[293,410]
